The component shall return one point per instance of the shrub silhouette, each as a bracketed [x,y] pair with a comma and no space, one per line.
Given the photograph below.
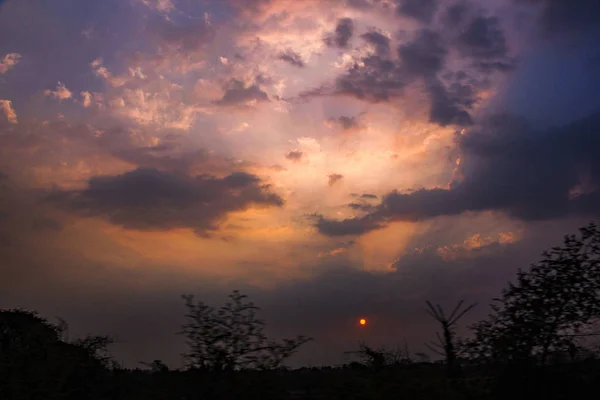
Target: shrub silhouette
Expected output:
[378,358]
[231,337]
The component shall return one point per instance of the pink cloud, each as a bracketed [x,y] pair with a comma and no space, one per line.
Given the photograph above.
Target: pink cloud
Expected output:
[9,61]
[8,110]
[61,93]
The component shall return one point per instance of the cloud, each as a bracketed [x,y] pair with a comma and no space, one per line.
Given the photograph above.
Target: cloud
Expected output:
[153,107]
[379,40]
[483,39]
[422,10]
[237,94]
[506,167]
[466,38]
[292,58]
[182,39]
[148,199]
[351,226]
[368,196]
[424,55]
[9,61]
[86,99]
[374,80]
[8,110]
[478,37]
[163,6]
[101,71]
[448,107]
[378,78]
[348,123]
[342,35]
[476,245]
[294,155]
[61,93]
[334,178]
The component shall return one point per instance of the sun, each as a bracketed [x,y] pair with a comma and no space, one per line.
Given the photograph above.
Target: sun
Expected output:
[362,321]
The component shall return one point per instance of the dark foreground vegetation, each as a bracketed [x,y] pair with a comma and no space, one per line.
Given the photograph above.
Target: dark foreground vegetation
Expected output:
[535,344]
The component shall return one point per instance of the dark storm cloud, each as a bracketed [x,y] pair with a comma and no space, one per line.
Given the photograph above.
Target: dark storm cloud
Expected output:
[292,58]
[294,155]
[422,10]
[455,14]
[380,79]
[380,41]
[364,207]
[148,199]
[507,167]
[477,37]
[352,226]
[236,93]
[382,76]
[363,202]
[448,106]
[376,80]
[342,35]
[424,55]
[483,38]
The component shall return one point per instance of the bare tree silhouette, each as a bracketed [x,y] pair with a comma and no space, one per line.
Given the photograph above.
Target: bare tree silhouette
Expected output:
[446,346]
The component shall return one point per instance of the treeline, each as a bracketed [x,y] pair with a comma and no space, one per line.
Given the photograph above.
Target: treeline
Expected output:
[534,344]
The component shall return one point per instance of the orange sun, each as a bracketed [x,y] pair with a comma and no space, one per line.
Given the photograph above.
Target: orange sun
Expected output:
[362,321]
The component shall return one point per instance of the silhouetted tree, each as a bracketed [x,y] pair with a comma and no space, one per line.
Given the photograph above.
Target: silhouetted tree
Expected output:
[446,346]
[231,337]
[549,306]
[36,363]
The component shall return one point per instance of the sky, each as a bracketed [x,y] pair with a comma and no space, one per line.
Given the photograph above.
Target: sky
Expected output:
[332,159]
